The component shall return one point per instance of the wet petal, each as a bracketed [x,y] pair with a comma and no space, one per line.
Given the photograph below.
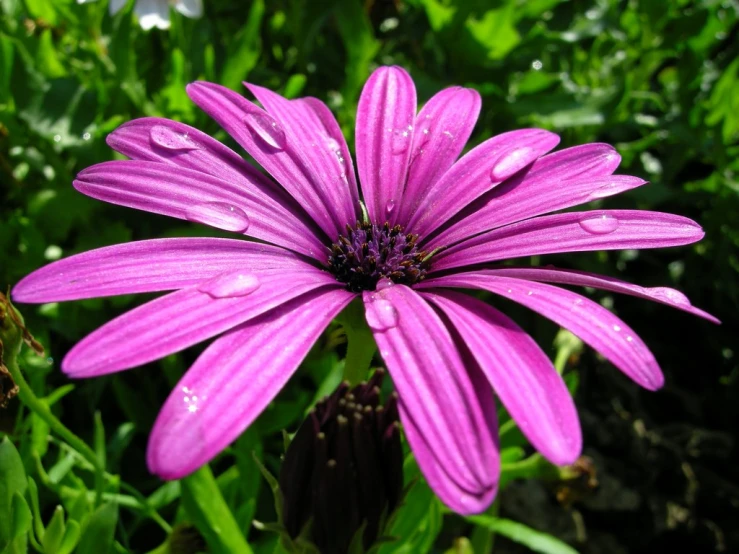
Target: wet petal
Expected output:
[148,266]
[186,317]
[234,379]
[263,138]
[478,171]
[384,134]
[436,391]
[521,374]
[441,131]
[573,232]
[590,321]
[663,295]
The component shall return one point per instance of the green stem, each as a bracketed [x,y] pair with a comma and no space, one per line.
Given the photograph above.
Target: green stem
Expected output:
[482,538]
[360,344]
[207,509]
[41,409]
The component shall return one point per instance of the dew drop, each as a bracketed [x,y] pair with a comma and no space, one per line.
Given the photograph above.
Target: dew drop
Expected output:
[381,315]
[617,328]
[599,224]
[86,136]
[266,130]
[383,284]
[669,295]
[171,140]
[400,141]
[389,207]
[509,162]
[219,215]
[230,285]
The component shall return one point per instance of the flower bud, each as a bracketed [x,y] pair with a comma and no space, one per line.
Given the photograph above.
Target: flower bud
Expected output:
[344,468]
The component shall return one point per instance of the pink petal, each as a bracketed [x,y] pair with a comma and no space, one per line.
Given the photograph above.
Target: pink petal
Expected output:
[590,321]
[521,374]
[148,266]
[384,135]
[179,145]
[452,416]
[186,317]
[261,136]
[234,379]
[441,131]
[663,295]
[198,197]
[326,159]
[478,171]
[518,199]
[573,232]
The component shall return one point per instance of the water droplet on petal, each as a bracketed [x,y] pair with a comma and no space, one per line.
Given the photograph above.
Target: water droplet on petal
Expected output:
[389,207]
[381,315]
[401,140]
[510,162]
[617,328]
[171,140]
[266,130]
[599,224]
[230,285]
[383,284]
[219,215]
[667,294]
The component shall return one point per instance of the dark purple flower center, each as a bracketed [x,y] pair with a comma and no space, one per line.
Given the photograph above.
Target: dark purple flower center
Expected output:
[370,252]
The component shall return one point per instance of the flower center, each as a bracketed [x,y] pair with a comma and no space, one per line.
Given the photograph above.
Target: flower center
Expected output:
[370,252]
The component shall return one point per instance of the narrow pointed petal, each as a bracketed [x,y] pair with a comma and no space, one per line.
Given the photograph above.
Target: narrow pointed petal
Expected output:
[234,379]
[261,136]
[163,140]
[518,199]
[663,295]
[148,266]
[323,146]
[186,317]
[573,232]
[590,321]
[194,196]
[435,391]
[521,374]
[440,133]
[478,171]
[384,135]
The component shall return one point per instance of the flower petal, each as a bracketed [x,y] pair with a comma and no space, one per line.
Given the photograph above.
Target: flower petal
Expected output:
[183,318]
[573,232]
[590,321]
[519,198]
[330,163]
[384,135]
[663,295]
[234,379]
[435,390]
[189,8]
[521,374]
[152,13]
[441,131]
[163,140]
[481,169]
[260,135]
[198,197]
[148,266]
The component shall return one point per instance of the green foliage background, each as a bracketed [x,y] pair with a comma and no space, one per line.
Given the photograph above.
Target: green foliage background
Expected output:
[659,80]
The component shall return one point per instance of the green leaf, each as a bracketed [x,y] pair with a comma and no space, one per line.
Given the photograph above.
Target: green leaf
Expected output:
[13,481]
[6,68]
[207,509]
[38,525]
[99,530]
[71,536]
[21,516]
[522,534]
[54,534]
[356,32]
[244,51]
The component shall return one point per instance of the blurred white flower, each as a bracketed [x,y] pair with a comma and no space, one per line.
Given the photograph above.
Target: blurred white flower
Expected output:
[155,13]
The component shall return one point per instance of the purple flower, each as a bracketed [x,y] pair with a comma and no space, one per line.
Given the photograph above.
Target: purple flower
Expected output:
[431,220]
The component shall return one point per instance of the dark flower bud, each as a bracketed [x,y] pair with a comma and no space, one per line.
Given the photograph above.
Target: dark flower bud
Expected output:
[344,468]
